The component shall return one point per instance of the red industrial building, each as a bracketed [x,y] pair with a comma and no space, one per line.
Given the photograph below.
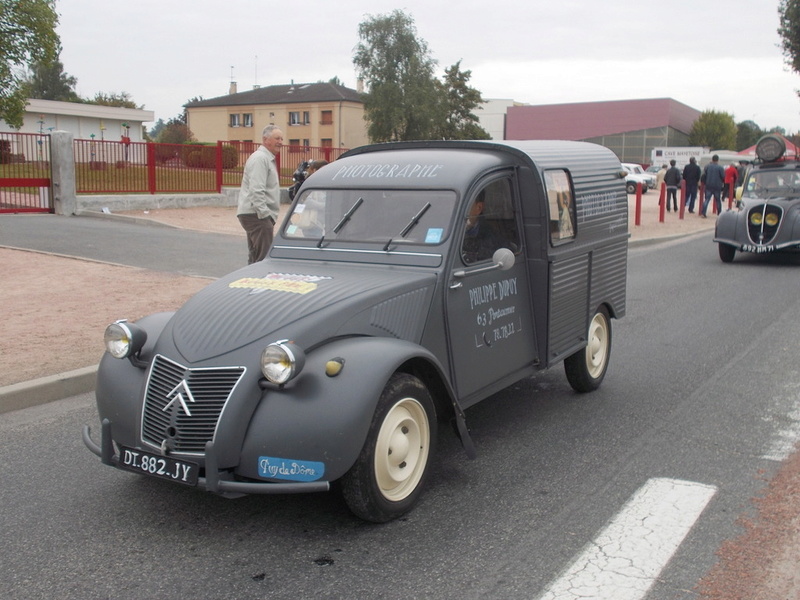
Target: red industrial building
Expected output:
[630,128]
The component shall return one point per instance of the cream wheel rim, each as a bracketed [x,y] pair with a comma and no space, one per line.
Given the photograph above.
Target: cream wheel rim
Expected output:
[597,348]
[401,449]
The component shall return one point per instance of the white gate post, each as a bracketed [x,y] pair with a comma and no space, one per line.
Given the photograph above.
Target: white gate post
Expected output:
[62,161]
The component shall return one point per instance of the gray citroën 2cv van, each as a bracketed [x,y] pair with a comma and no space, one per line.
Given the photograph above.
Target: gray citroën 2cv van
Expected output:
[408,282]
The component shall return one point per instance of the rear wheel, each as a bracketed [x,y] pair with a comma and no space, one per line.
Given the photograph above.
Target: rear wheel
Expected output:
[587,367]
[389,474]
[726,253]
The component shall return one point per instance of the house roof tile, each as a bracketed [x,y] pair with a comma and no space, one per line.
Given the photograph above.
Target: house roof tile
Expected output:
[293,93]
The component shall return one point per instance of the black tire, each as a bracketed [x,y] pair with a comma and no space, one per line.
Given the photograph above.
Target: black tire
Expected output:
[587,367]
[390,472]
[630,187]
[726,253]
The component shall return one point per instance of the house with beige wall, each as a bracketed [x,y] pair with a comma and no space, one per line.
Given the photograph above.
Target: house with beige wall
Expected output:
[324,115]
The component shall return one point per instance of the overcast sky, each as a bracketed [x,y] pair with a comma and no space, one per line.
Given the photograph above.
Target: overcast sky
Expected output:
[715,54]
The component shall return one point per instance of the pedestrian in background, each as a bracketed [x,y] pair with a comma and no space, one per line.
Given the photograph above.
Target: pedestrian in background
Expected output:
[731,176]
[316,165]
[714,178]
[691,175]
[673,179]
[260,194]
[660,179]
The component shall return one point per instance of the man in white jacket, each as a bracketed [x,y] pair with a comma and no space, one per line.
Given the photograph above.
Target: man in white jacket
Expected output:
[260,194]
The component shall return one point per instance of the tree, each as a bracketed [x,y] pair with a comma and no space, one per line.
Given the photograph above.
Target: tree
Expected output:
[717,130]
[175,132]
[27,35]
[747,134]
[789,11]
[458,102]
[398,70]
[181,118]
[157,129]
[48,81]
[121,100]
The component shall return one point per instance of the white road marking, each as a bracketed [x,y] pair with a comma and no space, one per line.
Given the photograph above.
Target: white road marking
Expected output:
[625,558]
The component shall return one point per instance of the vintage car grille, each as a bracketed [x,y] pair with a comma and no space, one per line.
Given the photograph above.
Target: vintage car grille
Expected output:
[171,390]
[763,222]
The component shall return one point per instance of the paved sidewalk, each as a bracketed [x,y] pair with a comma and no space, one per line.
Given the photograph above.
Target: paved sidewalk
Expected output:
[60,385]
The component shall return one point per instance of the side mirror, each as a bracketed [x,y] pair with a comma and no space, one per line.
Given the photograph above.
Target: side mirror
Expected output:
[503,258]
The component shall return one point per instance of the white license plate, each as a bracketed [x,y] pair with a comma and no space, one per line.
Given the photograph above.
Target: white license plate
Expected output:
[162,467]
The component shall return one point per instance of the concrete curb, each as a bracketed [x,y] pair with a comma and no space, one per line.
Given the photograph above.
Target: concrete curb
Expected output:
[47,389]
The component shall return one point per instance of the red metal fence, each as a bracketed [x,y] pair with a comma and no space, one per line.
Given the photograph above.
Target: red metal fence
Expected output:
[144,167]
[25,180]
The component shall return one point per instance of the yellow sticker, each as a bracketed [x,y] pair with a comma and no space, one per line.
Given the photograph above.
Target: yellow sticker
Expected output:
[280,282]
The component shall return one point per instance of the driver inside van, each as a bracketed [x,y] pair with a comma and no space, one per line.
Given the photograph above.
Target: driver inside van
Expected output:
[481,237]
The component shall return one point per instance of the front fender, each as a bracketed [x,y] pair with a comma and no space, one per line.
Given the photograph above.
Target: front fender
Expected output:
[326,419]
[726,224]
[725,230]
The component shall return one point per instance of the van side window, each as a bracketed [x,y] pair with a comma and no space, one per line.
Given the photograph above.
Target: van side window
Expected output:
[490,223]
[561,204]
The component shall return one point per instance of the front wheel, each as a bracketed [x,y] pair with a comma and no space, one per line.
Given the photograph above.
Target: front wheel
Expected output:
[390,472]
[587,367]
[726,253]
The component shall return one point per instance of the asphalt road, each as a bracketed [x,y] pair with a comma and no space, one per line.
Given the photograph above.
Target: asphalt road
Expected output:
[145,244]
[702,388]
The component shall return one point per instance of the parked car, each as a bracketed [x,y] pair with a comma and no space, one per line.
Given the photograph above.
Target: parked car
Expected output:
[638,170]
[653,170]
[408,282]
[766,216]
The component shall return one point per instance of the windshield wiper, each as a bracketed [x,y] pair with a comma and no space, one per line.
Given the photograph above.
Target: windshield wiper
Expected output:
[347,215]
[411,224]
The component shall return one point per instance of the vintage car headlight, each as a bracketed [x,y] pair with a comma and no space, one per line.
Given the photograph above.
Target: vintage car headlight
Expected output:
[123,339]
[282,361]
[756,218]
[771,219]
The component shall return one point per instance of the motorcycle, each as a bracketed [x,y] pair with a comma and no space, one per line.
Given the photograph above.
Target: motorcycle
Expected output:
[299,176]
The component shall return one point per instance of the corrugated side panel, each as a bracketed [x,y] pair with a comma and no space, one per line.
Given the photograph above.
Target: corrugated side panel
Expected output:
[402,316]
[609,277]
[568,305]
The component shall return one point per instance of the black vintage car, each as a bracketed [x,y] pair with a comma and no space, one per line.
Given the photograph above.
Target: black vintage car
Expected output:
[408,282]
[766,217]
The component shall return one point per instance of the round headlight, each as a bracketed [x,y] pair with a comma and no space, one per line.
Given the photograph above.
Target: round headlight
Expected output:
[123,339]
[756,218]
[771,219]
[282,361]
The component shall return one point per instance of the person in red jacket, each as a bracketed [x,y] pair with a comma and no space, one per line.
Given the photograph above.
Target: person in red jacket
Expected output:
[731,175]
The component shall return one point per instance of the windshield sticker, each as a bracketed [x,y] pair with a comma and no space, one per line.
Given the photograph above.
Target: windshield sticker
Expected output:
[388,171]
[291,470]
[279,282]
[434,235]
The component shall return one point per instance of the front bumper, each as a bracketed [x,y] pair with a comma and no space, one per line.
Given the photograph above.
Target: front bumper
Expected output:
[757,248]
[215,481]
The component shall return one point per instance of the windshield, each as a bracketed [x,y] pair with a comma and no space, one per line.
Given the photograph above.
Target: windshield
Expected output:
[381,216]
[772,183]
